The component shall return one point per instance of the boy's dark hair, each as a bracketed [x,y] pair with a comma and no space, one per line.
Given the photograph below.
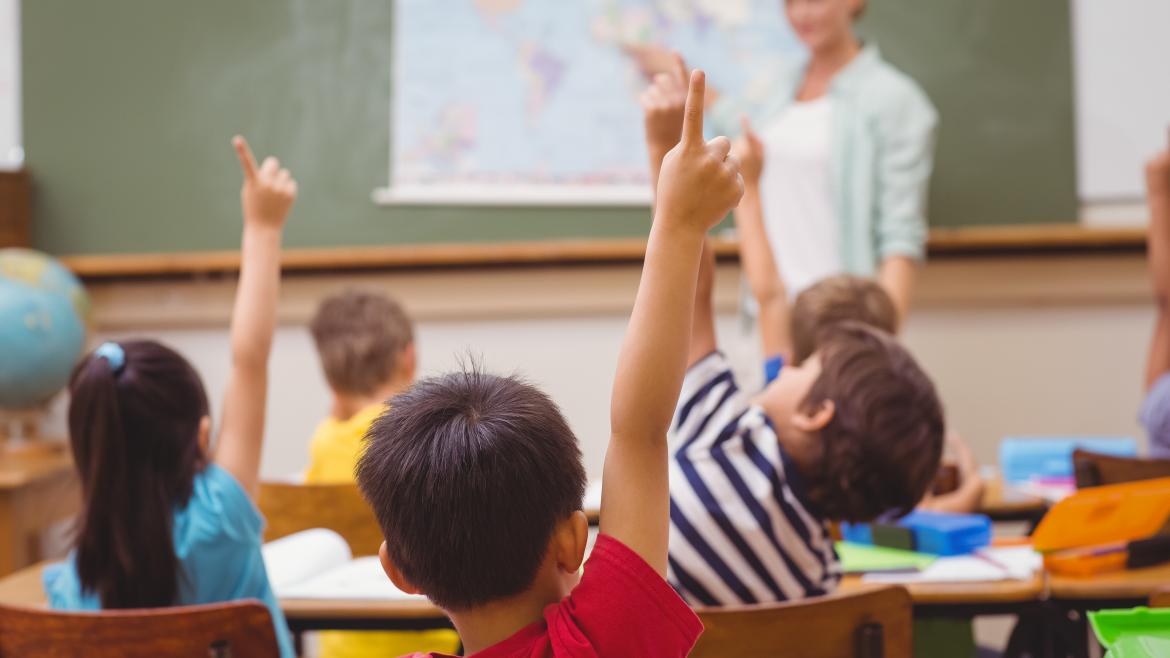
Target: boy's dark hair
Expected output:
[883,445]
[837,299]
[468,474]
[359,337]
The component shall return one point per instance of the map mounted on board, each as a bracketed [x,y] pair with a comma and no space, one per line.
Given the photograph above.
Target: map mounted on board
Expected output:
[536,101]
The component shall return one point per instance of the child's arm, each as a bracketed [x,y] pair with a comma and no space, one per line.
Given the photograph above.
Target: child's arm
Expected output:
[700,183]
[1158,191]
[968,497]
[662,112]
[267,196]
[755,252]
[703,338]
[663,105]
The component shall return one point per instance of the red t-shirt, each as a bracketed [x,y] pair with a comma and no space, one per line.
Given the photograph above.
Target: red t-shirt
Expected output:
[621,607]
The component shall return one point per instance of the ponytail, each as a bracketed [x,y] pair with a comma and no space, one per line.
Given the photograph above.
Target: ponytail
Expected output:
[133,425]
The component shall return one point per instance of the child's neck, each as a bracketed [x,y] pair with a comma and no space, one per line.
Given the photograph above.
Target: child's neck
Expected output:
[490,624]
[346,406]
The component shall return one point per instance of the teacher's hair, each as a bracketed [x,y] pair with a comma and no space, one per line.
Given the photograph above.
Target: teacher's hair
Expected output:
[134,428]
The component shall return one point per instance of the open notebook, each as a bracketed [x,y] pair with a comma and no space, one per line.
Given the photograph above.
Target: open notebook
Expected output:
[317,564]
[985,565]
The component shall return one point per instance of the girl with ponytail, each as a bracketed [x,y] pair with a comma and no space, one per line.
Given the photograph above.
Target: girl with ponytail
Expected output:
[167,518]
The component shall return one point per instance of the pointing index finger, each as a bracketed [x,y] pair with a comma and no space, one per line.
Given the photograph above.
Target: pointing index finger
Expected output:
[247,160]
[693,116]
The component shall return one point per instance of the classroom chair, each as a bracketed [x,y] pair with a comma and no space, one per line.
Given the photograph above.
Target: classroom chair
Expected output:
[290,508]
[1096,470]
[1160,598]
[874,623]
[221,630]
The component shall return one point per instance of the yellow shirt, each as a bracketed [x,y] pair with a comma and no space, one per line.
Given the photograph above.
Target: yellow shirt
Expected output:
[333,453]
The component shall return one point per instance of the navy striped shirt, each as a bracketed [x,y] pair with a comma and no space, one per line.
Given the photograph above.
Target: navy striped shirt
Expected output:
[741,530]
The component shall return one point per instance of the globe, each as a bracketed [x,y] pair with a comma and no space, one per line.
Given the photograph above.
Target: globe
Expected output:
[43,316]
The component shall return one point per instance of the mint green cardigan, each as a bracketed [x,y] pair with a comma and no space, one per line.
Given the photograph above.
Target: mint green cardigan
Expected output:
[883,152]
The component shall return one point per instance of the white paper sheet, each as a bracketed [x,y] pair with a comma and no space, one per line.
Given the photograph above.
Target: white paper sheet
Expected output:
[360,579]
[989,565]
[301,556]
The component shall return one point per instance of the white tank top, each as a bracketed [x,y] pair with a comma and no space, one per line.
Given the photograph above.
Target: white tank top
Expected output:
[797,193]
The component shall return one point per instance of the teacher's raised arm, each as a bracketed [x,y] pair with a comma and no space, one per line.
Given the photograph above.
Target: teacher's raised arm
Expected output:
[849,150]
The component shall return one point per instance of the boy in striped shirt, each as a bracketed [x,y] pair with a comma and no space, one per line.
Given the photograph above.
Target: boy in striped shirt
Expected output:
[852,432]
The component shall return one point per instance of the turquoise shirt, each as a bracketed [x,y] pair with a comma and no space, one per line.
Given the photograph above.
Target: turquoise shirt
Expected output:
[882,152]
[217,541]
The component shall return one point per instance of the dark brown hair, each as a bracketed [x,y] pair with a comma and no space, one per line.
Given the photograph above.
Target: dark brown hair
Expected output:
[360,336]
[837,299]
[881,449]
[135,439]
[468,474]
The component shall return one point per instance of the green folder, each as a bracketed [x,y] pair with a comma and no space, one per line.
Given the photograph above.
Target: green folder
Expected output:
[864,558]
[1137,633]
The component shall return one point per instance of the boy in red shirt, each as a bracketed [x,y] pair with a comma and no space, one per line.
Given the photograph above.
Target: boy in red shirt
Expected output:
[477,480]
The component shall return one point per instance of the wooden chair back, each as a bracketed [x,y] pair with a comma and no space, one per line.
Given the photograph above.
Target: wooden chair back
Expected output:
[224,630]
[290,508]
[1160,598]
[874,623]
[1096,470]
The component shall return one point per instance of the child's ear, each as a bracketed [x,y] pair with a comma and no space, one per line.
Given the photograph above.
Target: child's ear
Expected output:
[394,574]
[571,536]
[205,434]
[816,419]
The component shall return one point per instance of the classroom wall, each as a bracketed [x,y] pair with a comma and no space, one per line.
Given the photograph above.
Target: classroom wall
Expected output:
[1029,346]
[10,137]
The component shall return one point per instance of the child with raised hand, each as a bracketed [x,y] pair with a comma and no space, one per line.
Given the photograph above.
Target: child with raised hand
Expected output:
[853,432]
[167,519]
[477,480]
[1155,412]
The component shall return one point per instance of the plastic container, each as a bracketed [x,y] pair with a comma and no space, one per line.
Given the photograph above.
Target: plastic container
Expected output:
[1025,458]
[1136,633]
[936,533]
[1105,515]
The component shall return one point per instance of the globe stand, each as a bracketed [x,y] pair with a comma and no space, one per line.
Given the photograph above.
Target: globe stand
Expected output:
[20,433]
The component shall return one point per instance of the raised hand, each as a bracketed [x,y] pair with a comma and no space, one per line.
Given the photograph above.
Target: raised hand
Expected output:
[268,191]
[1158,175]
[700,181]
[662,106]
[749,148]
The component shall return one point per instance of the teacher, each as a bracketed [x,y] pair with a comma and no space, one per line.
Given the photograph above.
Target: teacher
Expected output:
[849,146]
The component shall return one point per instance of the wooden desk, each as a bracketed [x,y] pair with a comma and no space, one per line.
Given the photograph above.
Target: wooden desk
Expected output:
[1003,504]
[24,589]
[319,615]
[1132,587]
[967,599]
[38,487]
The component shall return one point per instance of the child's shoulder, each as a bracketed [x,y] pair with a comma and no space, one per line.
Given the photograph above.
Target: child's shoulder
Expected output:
[218,509]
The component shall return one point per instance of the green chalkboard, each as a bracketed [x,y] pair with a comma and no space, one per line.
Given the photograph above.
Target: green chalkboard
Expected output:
[128,106]
[1000,73]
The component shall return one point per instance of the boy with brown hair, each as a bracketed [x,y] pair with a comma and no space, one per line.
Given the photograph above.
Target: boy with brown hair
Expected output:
[365,341]
[853,431]
[478,484]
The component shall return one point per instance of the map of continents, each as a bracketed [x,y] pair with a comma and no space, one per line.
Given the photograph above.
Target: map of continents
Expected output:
[526,95]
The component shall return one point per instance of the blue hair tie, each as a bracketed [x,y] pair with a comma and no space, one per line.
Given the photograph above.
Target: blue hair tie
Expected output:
[113,354]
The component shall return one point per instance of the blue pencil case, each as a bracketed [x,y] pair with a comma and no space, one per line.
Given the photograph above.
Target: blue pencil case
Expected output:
[937,533]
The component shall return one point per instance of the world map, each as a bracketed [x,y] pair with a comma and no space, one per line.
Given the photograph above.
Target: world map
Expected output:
[519,100]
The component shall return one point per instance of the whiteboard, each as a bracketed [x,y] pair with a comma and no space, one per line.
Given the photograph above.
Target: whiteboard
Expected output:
[11,155]
[1122,75]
